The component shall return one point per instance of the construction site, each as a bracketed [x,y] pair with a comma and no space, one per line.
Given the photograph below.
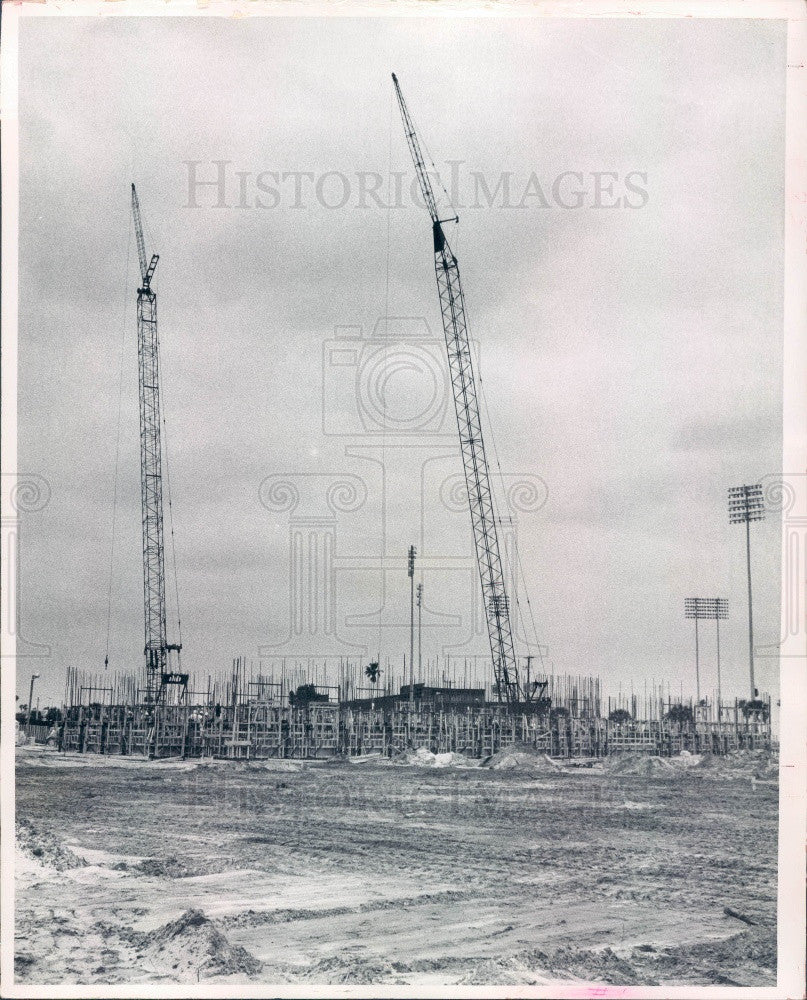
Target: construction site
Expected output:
[325,709]
[255,718]
[501,823]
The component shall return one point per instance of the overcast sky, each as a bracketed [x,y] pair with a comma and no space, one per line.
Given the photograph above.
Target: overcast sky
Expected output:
[632,356]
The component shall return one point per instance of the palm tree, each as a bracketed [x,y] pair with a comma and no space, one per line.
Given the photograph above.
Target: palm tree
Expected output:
[620,716]
[372,671]
[681,714]
[754,705]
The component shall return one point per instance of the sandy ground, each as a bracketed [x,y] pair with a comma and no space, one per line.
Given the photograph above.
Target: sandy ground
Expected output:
[431,872]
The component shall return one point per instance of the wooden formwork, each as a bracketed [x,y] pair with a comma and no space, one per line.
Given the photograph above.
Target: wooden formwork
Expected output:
[259,730]
[666,738]
[475,732]
[633,738]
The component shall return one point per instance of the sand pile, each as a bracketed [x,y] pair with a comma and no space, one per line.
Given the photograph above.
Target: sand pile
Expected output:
[760,764]
[642,765]
[522,757]
[423,757]
[44,847]
[535,967]
[193,948]
[352,969]
[686,760]
[420,757]
[454,760]
[743,764]
[507,971]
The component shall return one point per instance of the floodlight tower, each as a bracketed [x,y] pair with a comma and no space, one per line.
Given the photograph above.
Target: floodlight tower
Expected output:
[693,608]
[746,504]
[419,600]
[411,572]
[721,610]
[710,608]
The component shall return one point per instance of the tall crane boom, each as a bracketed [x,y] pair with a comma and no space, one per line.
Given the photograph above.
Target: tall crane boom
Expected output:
[146,268]
[151,488]
[472,445]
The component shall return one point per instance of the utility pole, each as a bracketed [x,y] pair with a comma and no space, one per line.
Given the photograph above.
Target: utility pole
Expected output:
[746,505]
[420,631]
[411,571]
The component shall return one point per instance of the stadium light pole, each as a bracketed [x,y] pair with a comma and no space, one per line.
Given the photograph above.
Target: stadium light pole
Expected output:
[701,608]
[746,505]
[420,631]
[692,609]
[411,571]
[721,610]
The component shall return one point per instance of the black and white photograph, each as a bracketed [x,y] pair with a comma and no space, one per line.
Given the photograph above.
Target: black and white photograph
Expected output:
[404,498]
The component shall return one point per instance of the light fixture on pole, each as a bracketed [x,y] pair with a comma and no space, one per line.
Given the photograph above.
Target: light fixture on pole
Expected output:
[411,571]
[709,608]
[419,595]
[31,701]
[746,504]
[721,610]
[692,609]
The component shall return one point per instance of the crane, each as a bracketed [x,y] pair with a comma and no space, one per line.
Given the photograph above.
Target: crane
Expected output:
[157,647]
[472,445]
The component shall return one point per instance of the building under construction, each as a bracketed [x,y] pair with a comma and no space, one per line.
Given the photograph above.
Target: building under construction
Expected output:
[248,718]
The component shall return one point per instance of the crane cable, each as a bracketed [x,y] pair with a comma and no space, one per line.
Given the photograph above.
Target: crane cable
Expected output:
[383,392]
[482,394]
[117,442]
[520,566]
[170,504]
[422,142]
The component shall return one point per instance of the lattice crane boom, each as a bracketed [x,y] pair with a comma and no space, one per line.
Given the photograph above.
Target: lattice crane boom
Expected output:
[151,489]
[472,445]
[146,267]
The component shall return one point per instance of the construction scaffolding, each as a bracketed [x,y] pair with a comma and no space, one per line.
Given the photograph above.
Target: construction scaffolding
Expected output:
[245,719]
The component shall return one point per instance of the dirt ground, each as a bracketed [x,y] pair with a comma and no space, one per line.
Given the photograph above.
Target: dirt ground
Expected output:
[429,872]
